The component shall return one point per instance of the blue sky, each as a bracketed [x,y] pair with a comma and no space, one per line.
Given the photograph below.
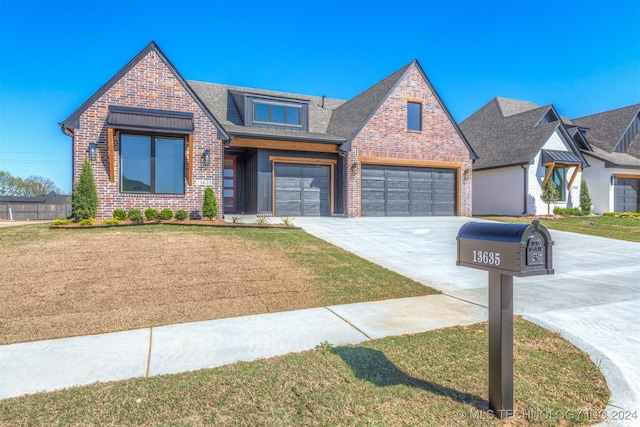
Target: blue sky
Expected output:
[582,56]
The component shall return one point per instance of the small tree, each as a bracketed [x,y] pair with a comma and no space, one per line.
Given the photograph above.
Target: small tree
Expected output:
[585,199]
[85,194]
[210,206]
[550,193]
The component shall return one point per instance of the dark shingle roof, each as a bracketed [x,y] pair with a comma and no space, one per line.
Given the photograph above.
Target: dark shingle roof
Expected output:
[508,140]
[606,129]
[222,101]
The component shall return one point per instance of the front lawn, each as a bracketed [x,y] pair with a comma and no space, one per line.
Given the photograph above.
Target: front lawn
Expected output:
[437,378]
[603,226]
[62,283]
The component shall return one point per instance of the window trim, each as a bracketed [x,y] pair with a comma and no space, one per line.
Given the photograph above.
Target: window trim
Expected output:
[152,160]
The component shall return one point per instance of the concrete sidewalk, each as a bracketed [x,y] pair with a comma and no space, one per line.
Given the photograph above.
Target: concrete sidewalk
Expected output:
[56,364]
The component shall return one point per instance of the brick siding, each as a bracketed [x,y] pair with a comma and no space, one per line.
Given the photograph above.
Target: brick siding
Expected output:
[148,84]
[385,135]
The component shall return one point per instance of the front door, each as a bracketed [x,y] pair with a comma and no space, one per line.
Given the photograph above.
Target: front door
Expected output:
[229,185]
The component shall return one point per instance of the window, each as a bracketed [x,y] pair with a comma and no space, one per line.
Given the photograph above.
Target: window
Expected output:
[151,164]
[414,113]
[277,113]
[559,177]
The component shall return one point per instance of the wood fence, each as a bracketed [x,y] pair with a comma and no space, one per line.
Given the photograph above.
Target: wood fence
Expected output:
[34,211]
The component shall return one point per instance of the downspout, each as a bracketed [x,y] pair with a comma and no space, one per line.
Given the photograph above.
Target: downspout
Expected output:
[343,154]
[526,187]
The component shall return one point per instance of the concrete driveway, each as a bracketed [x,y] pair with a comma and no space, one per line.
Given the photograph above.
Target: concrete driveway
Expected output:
[593,299]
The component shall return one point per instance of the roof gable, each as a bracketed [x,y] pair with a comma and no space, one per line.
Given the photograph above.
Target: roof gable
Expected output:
[72,122]
[348,119]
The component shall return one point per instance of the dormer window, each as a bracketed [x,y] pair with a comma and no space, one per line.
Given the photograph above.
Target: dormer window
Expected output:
[272,112]
[277,113]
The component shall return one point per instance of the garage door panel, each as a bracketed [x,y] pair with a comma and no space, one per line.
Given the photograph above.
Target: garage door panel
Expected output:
[302,190]
[626,195]
[408,191]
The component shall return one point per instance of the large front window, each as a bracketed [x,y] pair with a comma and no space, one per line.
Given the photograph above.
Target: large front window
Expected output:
[151,164]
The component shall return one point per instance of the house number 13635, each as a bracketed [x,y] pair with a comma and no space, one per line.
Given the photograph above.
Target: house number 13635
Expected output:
[485,257]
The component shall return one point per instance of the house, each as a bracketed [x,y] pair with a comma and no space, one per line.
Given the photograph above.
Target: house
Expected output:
[614,176]
[41,207]
[157,140]
[520,145]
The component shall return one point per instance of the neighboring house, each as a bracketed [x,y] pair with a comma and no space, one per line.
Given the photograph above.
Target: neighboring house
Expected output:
[614,176]
[157,140]
[42,207]
[520,145]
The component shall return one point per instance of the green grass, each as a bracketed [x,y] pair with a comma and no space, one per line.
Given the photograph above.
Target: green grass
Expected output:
[435,378]
[611,227]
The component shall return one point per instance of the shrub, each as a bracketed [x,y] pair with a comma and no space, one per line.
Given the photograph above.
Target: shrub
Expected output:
[87,222]
[209,206]
[236,220]
[262,220]
[181,215]
[85,194]
[119,214]
[134,212]
[559,211]
[135,215]
[585,199]
[166,214]
[62,221]
[114,221]
[609,214]
[151,214]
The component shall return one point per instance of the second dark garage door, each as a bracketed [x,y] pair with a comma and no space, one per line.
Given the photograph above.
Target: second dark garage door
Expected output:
[408,191]
[302,190]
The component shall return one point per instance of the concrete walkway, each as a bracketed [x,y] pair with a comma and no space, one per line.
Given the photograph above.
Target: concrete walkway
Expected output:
[593,299]
[55,364]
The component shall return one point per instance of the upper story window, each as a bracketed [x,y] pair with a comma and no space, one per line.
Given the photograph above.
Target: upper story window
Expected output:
[414,116]
[272,112]
[277,113]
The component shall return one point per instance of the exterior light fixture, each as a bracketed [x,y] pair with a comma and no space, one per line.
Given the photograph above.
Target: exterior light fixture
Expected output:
[92,150]
[207,157]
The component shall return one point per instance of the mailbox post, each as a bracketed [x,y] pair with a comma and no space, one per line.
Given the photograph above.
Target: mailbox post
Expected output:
[504,250]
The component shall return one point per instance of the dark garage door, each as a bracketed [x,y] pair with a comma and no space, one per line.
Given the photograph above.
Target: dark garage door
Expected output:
[626,195]
[407,191]
[302,190]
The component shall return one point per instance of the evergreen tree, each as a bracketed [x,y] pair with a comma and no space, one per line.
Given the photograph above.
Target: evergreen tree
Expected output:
[585,199]
[210,206]
[85,194]
[550,193]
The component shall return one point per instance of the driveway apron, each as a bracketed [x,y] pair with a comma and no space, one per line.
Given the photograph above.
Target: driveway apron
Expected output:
[592,299]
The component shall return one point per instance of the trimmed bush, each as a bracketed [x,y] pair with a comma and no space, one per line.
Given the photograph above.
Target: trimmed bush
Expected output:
[62,221]
[119,214]
[181,215]
[209,206]
[135,215]
[85,193]
[166,214]
[151,214]
[114,221]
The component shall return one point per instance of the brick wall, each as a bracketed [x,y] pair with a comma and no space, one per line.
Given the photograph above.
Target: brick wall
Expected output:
[148,84]
[385,135]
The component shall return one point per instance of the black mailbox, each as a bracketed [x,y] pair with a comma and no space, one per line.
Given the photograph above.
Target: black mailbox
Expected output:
[511,249]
